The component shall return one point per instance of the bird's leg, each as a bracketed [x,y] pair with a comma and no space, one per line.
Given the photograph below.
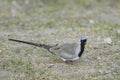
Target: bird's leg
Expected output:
[69,62]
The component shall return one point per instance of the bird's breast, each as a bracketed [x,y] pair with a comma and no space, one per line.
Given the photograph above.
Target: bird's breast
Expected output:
[77,50]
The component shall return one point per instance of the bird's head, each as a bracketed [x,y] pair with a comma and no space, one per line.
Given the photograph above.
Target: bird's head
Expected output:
[83,40]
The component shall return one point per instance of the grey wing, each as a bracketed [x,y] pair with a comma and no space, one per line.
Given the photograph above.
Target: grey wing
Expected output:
[66,50]
[55,49]
[69,48]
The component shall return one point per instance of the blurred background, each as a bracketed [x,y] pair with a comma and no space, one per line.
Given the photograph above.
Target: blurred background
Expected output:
[59,21]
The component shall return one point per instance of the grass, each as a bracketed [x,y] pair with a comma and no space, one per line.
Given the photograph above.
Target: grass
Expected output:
[58,21]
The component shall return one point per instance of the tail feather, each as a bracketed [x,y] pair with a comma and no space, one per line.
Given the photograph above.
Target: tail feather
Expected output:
[45,46]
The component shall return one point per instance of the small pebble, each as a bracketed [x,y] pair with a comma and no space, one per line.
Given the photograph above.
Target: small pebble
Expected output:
[91,21]
[98,58]
[108,40]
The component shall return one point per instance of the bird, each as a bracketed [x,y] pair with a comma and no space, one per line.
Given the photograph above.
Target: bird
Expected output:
[66,51]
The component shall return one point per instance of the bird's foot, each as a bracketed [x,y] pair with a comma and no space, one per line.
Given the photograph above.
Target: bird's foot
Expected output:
[69,62]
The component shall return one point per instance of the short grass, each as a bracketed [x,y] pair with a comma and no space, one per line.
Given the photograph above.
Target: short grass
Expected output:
[59,21]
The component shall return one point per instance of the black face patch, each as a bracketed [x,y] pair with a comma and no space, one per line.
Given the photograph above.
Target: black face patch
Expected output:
[83,42]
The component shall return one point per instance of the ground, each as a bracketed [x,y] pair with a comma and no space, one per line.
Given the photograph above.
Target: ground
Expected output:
[59,21]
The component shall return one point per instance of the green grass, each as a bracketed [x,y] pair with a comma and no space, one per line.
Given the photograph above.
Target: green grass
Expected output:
[116,56]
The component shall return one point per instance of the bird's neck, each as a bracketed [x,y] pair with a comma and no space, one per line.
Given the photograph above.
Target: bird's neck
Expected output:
[81,49]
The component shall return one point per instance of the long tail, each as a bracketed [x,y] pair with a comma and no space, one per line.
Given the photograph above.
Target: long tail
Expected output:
[45,46]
